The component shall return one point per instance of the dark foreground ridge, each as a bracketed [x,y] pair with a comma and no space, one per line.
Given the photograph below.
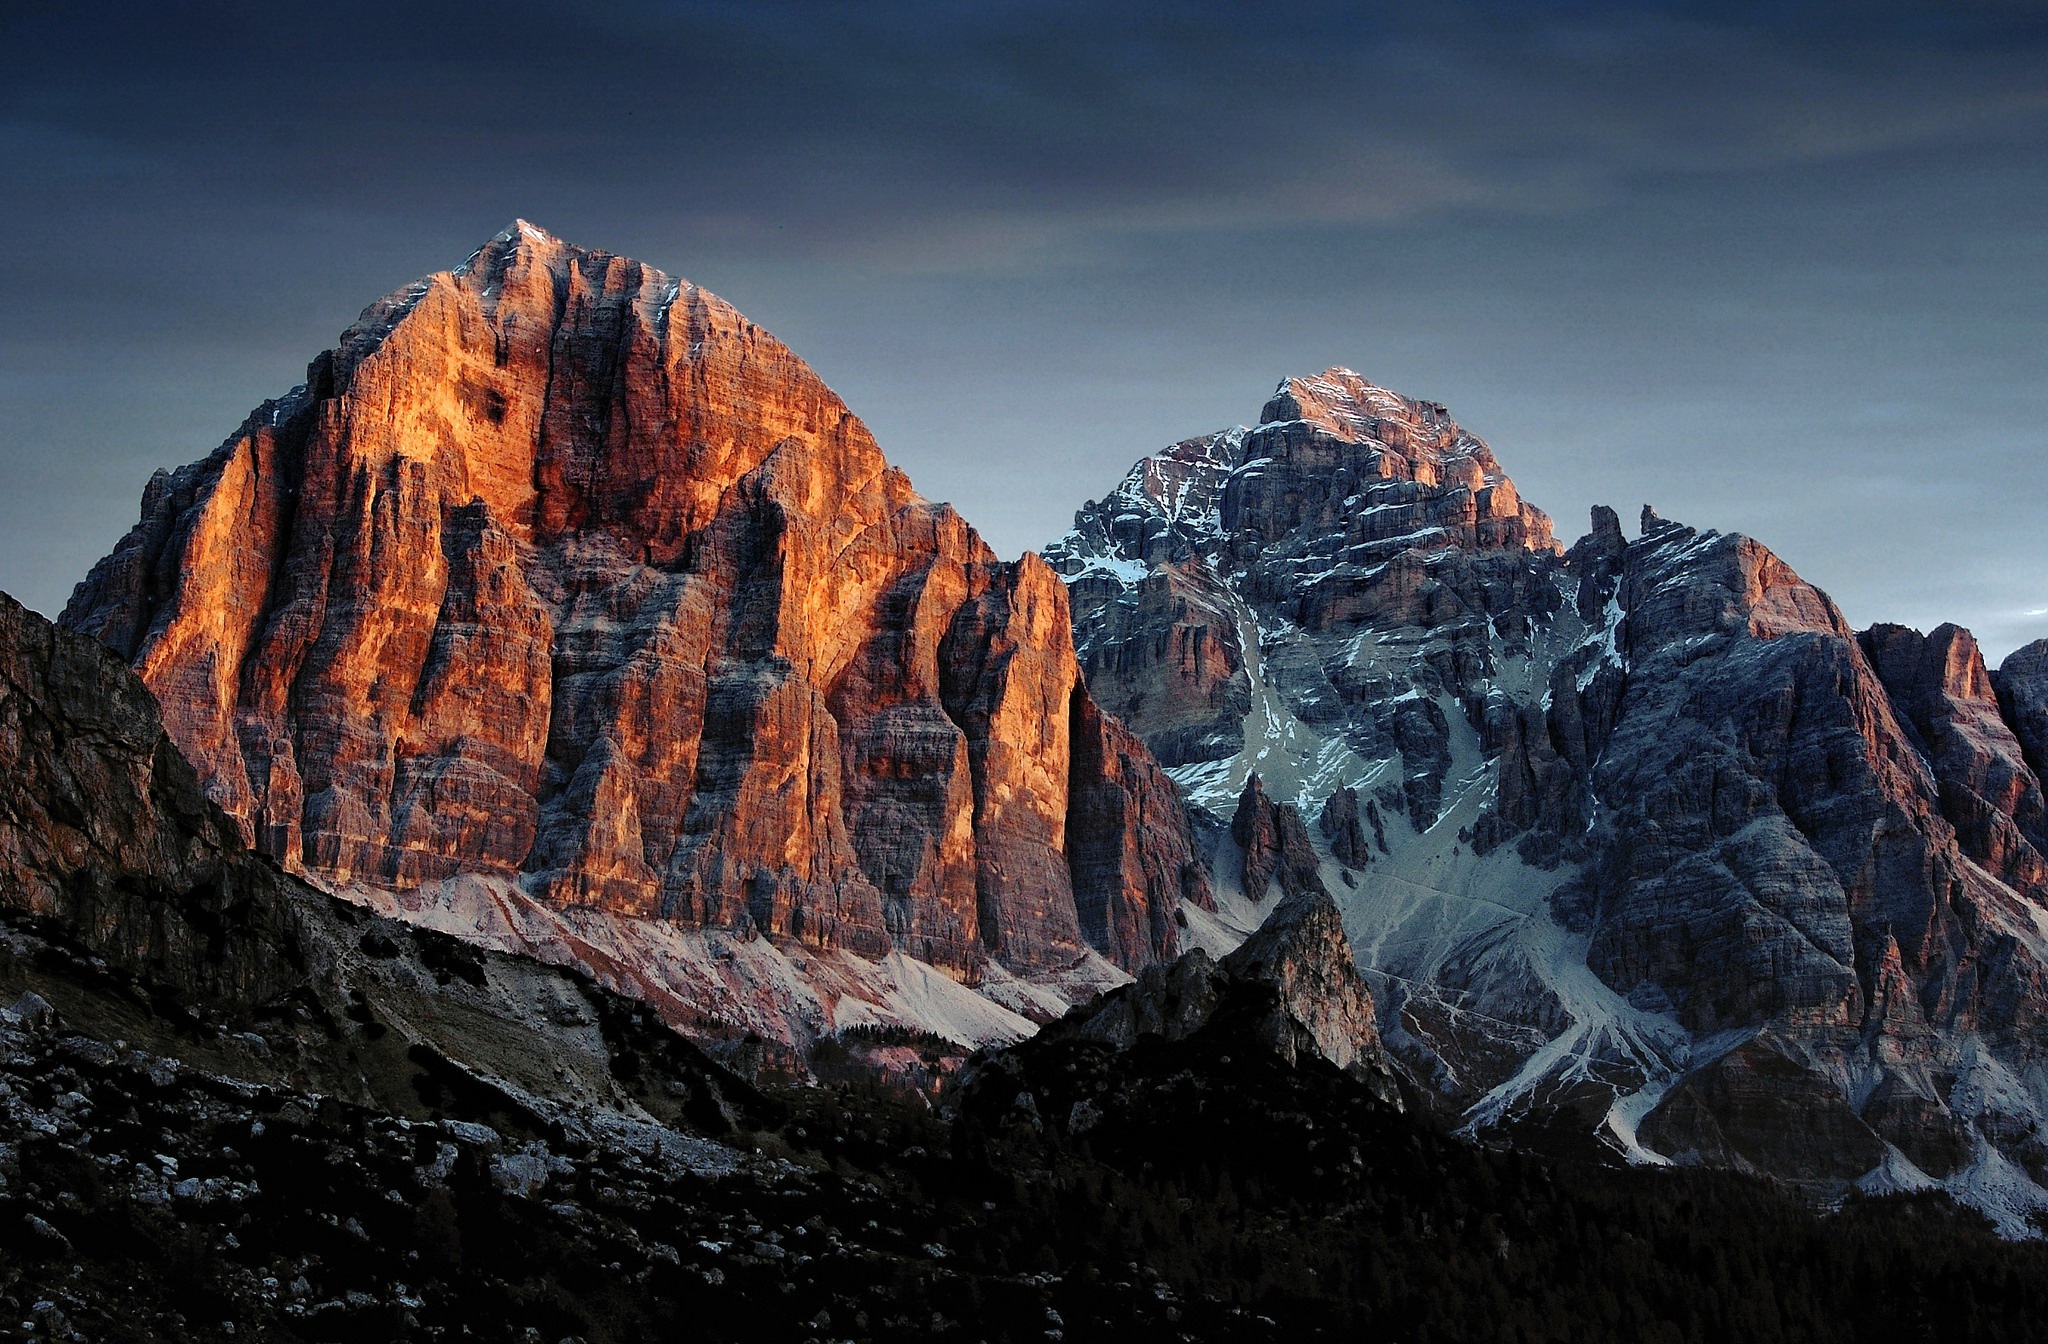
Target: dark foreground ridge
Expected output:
[233,1108]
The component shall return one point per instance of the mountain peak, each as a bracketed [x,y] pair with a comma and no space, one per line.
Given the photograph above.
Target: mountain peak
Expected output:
[1429,444]
[519,235]
[562,577]
[524,247]
[1338,472]
[1345,404]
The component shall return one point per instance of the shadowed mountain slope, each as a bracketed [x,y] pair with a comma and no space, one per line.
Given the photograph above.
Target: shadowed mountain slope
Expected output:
[1640,830]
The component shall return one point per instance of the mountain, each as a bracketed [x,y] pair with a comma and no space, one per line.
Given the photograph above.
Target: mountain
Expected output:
[564,608]
[1638,836]
[233,1106]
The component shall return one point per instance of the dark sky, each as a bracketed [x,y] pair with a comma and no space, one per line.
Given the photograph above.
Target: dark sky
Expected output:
[1776,268]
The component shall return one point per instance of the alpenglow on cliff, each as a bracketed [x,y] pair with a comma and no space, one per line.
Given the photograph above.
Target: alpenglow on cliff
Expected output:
[565,608]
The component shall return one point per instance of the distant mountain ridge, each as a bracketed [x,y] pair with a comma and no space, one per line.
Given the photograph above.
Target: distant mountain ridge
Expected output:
[1640,831]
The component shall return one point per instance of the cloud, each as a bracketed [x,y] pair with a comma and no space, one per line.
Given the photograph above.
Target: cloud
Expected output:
[1682,251]
[998,134]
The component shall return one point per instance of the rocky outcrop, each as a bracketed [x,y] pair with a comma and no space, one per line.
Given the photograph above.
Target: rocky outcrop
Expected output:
[1756,1109]
[1942,695]
[559,572]
[107,833]
[1275,844]
[1134,862]
[1291,988]
[2022,683]
[1342,827]
[1640,830]
[1323,1005]
[1182,684]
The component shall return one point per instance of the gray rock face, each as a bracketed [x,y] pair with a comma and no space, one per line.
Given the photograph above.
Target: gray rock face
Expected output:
[1947,706]
[1292,985]
[2022,682]
[1347,507]
[1324,1004]
[1341,826]
[1275,844]
[1641,829]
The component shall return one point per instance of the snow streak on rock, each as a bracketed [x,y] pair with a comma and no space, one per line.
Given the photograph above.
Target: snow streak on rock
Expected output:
[1641,832]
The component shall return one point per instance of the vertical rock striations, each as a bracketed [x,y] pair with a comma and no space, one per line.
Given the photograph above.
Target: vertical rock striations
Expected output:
[1946,705]
[128,899]
[560,572]
[1134,862]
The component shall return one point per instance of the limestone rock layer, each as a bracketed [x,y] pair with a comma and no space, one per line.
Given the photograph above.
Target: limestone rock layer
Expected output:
[559,570]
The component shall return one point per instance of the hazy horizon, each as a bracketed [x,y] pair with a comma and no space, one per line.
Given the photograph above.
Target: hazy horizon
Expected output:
[1769,269]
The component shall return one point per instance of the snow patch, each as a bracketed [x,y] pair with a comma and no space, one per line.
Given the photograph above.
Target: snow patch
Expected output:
[734,981]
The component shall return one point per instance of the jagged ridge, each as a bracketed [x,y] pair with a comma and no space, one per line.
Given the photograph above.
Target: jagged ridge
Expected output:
[1643,830]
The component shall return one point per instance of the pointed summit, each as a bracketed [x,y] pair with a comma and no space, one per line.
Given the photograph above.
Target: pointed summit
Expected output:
[562,576]
[516,236]
[523,240]
[1341,402]
[530,232]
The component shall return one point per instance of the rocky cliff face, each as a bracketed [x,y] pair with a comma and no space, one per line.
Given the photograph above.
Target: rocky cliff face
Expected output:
[131,908]
[1291,988]
[2022,682]
[1641,831]
[233,1106]
[561,587]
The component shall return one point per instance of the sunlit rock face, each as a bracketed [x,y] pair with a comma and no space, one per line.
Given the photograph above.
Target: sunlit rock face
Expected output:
[1641,831]
[559,572]
[151,919]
